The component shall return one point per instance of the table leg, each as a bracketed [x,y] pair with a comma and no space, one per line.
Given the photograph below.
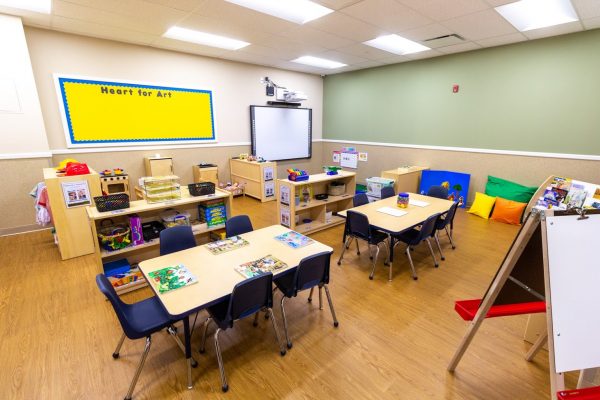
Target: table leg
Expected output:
[391,256]
[188,349]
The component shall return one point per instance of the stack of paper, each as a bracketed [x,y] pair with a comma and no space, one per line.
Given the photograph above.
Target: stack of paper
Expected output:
[418,203]
[392,211]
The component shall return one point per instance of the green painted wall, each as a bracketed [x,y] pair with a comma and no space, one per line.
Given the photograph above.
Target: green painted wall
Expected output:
[541,96]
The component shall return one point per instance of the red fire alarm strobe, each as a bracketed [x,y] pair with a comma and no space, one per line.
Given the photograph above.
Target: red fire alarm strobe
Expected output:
[454,88]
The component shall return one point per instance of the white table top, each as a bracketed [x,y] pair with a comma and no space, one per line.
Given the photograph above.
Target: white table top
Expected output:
[216,274]
[414,214]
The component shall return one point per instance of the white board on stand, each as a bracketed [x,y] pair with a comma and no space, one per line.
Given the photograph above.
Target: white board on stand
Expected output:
[574,274]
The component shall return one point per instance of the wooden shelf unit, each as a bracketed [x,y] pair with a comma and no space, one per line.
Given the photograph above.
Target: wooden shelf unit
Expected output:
[148,212]
[74,236]
[258,178]
[315,210]
[406,179]
[206,174]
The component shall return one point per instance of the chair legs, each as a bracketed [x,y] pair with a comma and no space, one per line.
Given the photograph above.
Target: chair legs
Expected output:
[118,349]
[203,340]
[449,233]
[285,324]
[224,385]
[435,263]
[374,261]
[346,245]
[357,248]
[412,266]
[437,242]
[282,349]
[171,330]
[335,321]
[310,294]
[139,368]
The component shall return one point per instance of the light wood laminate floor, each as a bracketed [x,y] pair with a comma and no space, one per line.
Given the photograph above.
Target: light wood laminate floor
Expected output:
[394,340]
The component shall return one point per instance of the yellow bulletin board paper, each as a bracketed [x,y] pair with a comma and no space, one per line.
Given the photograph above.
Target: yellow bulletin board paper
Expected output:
[101,113]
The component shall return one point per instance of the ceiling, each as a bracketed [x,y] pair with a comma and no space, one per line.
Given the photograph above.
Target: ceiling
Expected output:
[337,36]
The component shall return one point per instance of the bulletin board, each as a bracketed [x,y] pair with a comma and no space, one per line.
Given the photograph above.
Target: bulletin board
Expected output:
[99,113]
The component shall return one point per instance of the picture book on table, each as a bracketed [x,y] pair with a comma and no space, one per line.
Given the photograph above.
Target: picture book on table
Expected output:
[294,239]
[171,278]
[225,245]
[262,265]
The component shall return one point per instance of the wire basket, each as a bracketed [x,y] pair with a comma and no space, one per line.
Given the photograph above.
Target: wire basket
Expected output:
[112,202]
[201,188]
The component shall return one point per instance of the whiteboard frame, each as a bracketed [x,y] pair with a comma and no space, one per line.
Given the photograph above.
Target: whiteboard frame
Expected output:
[253,133]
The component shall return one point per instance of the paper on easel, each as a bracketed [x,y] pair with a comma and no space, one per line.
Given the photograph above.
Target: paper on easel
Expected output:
[392,211]
[418,203]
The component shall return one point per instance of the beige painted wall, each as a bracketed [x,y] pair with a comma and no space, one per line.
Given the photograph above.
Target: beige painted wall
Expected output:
[531,171]
[235,85]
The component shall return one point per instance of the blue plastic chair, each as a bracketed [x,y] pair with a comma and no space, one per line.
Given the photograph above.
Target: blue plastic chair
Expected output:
[387,191]
[438,191]
[176,238]
[248,298]
[414,237]
[312,271]
[359,228]
[443,222]
[138,320]
[238,225]
[360,199]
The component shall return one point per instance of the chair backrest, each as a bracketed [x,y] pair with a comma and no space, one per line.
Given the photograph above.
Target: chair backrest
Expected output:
[360,199]
[438,191]
[427,228]
[249,296]
[387,191]
[312,271]
[176,238]
[358,224]
[120,308]
[238,225]
[449,219]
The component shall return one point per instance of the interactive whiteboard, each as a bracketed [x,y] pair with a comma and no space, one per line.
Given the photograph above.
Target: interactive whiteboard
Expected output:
[281,133]
[574,273]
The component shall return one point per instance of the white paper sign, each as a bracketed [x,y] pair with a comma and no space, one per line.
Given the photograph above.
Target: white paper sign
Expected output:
[349,160]
[76,193]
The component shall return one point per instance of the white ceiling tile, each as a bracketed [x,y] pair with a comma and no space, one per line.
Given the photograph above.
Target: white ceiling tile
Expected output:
[502,40]
[587,8]
[496,3]
[187,47]
[100,30]
[591,23]
[395,60]
[300,68]
[128,15]
[183,5]
[457,48]
[426,32]
[387,14]
[336,4]
[339,56]
[224,12]
[554,30]
[306,34]
[250,58]
[345,26]
[364,51]
[440,10]
[423,54]
[288,48]
[223,28]
[480,25]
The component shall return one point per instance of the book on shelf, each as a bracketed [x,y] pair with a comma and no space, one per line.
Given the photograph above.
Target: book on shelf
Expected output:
[263,265]
[225,245]
[171,278]
[294,239]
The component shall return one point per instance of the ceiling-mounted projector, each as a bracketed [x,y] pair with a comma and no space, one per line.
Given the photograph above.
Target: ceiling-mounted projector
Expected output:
[293,96]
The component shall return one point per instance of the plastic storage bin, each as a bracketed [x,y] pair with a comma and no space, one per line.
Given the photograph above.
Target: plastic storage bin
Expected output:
[375,184]
[162,188]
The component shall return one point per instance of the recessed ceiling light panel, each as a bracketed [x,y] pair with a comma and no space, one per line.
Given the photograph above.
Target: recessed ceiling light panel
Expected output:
[297,11]
[526,15]
[40,6]
[396,44]
[206,39]
[318,62]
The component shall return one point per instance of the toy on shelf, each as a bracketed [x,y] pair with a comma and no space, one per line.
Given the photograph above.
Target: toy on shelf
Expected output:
[236,189]
[297,175]
[114,181]
[331,169]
